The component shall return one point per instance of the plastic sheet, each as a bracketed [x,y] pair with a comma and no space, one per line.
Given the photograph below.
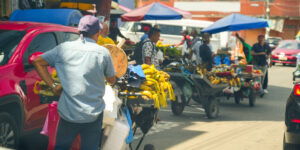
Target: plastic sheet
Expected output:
[51,125]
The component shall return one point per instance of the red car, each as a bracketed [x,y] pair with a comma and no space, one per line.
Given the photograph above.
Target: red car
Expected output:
[20,108]
[286,52]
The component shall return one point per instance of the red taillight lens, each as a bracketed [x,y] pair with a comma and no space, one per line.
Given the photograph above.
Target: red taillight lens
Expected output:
[297,90]
[296,121]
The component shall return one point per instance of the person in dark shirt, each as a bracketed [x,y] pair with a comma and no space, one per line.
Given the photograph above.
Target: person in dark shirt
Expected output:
[206,53]
[261,53]
[114,31]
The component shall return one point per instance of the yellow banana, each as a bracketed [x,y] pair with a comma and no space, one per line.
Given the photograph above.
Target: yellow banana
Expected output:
[46,93]
[165,86]
[145,66]
[156,76]
[239,82]
[215,81]
[148,76]
[156,101]
[145,87]
[132,97]
[35,90]
[171,92]
[148,83]
[149,71]
[54,74]
[147,93]
[234,83]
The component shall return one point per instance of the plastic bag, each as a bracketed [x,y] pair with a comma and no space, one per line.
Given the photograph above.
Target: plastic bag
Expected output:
[130,137]
[112,102]
[51,125]
[118,135]
[218,60]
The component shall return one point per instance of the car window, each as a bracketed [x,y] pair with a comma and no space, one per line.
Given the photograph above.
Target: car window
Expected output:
[68,36]
[125,26]
[41,43]
[137,27]
[190,29]
[9,40]
[289,45]
[170,29]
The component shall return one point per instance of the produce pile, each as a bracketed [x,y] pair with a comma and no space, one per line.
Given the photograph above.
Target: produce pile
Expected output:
[41,88]
[156,87]
[221,74]
[168,49]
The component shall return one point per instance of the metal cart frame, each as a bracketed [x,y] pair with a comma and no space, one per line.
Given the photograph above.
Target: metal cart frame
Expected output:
[202,91]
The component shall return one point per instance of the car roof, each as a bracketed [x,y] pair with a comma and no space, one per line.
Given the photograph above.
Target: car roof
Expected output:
[294,41]
[21,26]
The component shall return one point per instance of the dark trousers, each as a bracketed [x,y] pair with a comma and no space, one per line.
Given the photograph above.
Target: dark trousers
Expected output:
[90,134]
[264,79]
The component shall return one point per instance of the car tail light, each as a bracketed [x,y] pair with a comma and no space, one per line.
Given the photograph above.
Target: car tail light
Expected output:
[297,90]
[296,121]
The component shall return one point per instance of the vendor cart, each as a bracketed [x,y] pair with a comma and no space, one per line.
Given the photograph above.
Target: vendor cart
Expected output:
[142,112]
[197,87]
[250,86]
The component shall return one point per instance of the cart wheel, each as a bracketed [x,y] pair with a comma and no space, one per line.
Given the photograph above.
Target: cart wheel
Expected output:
[252,97]
[212,108]
[177,108]
[237,97]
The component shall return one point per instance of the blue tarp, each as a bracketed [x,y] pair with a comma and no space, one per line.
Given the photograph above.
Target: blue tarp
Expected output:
[136,75]
[235,22]
[67,17]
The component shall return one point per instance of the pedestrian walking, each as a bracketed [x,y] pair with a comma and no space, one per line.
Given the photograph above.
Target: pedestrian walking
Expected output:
[114,31]
[186,42]
[206,53]
[81,65]
[261,52]
[195,47]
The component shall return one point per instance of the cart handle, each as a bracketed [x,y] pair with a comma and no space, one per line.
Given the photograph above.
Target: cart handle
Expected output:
[130,94]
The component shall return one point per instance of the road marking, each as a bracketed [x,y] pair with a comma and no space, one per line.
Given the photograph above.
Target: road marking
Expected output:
[185,111]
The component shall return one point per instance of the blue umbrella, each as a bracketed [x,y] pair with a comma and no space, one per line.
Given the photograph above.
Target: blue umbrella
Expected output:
[235,22]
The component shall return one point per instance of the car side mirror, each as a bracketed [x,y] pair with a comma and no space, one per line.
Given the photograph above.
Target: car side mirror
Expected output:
[34,56]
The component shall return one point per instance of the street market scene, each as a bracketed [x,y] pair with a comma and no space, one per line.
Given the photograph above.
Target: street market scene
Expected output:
[150,75]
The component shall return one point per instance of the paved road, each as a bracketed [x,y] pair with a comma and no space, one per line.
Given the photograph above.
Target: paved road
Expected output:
[239,127]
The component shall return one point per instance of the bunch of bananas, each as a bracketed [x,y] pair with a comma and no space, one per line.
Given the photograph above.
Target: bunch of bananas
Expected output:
[157,86]
[235,82]
[41,88]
